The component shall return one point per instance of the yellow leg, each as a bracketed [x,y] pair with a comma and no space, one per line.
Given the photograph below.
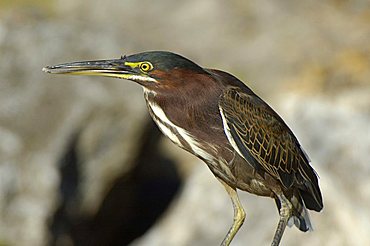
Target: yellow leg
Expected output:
[279,231]
[239,215]
[285,213]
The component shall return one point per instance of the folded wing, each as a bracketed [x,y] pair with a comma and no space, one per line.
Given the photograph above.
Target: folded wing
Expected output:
[262,138]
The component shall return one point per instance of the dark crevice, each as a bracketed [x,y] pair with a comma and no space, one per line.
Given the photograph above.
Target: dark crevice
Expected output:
[65,214]
[134,203]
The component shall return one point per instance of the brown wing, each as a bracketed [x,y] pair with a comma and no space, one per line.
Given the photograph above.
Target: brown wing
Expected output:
[263,139]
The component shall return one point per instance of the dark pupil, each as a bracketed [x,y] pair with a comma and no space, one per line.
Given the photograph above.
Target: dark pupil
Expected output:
[144,66]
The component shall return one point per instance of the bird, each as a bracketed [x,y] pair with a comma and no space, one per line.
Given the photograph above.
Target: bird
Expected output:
[219,119]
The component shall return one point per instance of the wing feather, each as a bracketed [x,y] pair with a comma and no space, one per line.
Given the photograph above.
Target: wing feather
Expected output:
[262,137]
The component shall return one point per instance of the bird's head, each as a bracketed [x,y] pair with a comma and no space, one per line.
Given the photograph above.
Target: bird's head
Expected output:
[154,69]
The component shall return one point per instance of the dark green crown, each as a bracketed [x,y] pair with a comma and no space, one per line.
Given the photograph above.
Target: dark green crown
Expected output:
[164,60]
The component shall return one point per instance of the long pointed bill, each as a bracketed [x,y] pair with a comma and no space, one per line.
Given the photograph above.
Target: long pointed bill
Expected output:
[116,68]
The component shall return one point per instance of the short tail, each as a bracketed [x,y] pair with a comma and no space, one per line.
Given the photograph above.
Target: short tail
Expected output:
[300,216]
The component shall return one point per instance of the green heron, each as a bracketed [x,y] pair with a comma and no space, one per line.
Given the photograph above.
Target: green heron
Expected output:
[216,117]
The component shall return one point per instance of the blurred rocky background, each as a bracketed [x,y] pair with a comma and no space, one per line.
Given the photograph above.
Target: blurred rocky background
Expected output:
[82,164]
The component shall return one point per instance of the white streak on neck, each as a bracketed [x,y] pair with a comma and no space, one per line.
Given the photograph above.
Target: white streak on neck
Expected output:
[185,135]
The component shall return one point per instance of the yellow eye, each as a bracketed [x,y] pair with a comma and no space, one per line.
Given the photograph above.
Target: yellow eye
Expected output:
[146,66]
